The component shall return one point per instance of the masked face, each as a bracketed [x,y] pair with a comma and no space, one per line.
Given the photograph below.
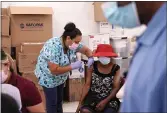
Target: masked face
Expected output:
[4,76]
[125,16]
[73,43]
[4,73]
[104,60]
[74,46]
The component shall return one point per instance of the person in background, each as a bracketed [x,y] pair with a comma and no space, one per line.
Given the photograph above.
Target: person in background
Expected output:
[146,88]
[57,58]
[30,96]
[9,104]
[102,83]
[13,92]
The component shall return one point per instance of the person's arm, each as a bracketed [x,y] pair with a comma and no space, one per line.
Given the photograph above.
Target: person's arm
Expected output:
[86,88]
[39,108]
[52,54]
[33,99]
[56,69]
[87,84]
[116,86]
[86,51]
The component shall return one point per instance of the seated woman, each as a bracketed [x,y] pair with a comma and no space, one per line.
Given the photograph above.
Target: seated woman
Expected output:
[30,96]
[102,84]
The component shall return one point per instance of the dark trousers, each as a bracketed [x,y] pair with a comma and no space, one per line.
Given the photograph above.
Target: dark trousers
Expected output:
[54,99]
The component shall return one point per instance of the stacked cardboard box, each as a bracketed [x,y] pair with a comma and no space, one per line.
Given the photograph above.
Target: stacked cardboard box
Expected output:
[5,36]
[98,13]
[74,89]
[27,59]
[27,56]
[113,30]
[30,28]
[30,24]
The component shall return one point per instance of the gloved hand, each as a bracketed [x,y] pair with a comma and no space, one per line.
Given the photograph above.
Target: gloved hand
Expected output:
[90,61]
[76,64]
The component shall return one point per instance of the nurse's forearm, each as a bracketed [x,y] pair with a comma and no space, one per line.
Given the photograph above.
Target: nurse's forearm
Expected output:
[60,70]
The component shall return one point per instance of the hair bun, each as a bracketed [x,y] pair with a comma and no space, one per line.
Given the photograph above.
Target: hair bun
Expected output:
[69,27]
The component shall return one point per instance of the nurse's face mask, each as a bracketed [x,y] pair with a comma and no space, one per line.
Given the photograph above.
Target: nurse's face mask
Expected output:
[125,16]
[75,43]
[74,46]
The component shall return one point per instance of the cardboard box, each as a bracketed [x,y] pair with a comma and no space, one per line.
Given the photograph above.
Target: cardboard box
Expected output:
[5,20]
[7,49]
[113,30]
[93,40]
[75,89]
[98,13]
[30,24]
[6,41]
[6,44]
[120,46]
[105,27]
[15,66]
[31,47]
[14,53]
[31,76]
[4,11]
[27,62]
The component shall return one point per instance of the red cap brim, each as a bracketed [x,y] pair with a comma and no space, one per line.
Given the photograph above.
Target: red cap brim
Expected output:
[105,54]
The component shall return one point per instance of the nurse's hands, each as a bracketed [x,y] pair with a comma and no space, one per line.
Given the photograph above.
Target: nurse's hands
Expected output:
[76,65]
[90,61]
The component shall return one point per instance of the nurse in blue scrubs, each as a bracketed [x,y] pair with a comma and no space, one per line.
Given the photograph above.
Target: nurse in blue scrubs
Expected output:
[57,58]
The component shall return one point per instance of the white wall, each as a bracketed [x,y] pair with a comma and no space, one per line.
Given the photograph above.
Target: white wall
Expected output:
[81,13]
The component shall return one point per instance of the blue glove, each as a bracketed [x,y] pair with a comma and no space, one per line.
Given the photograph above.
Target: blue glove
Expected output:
[76,65]
[90,61]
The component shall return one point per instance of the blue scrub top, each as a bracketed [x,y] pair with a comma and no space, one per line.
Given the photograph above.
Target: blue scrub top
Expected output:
[53,51]
[146,85]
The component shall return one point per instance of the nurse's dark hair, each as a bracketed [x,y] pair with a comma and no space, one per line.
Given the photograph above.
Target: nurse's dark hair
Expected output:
[71,30]
[3,57]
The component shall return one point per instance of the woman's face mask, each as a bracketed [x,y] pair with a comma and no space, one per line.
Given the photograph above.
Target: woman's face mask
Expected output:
[4,73]
[104,60]
[4,76]
[125,16]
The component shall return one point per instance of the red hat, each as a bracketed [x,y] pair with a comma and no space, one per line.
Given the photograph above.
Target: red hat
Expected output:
[104,50]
